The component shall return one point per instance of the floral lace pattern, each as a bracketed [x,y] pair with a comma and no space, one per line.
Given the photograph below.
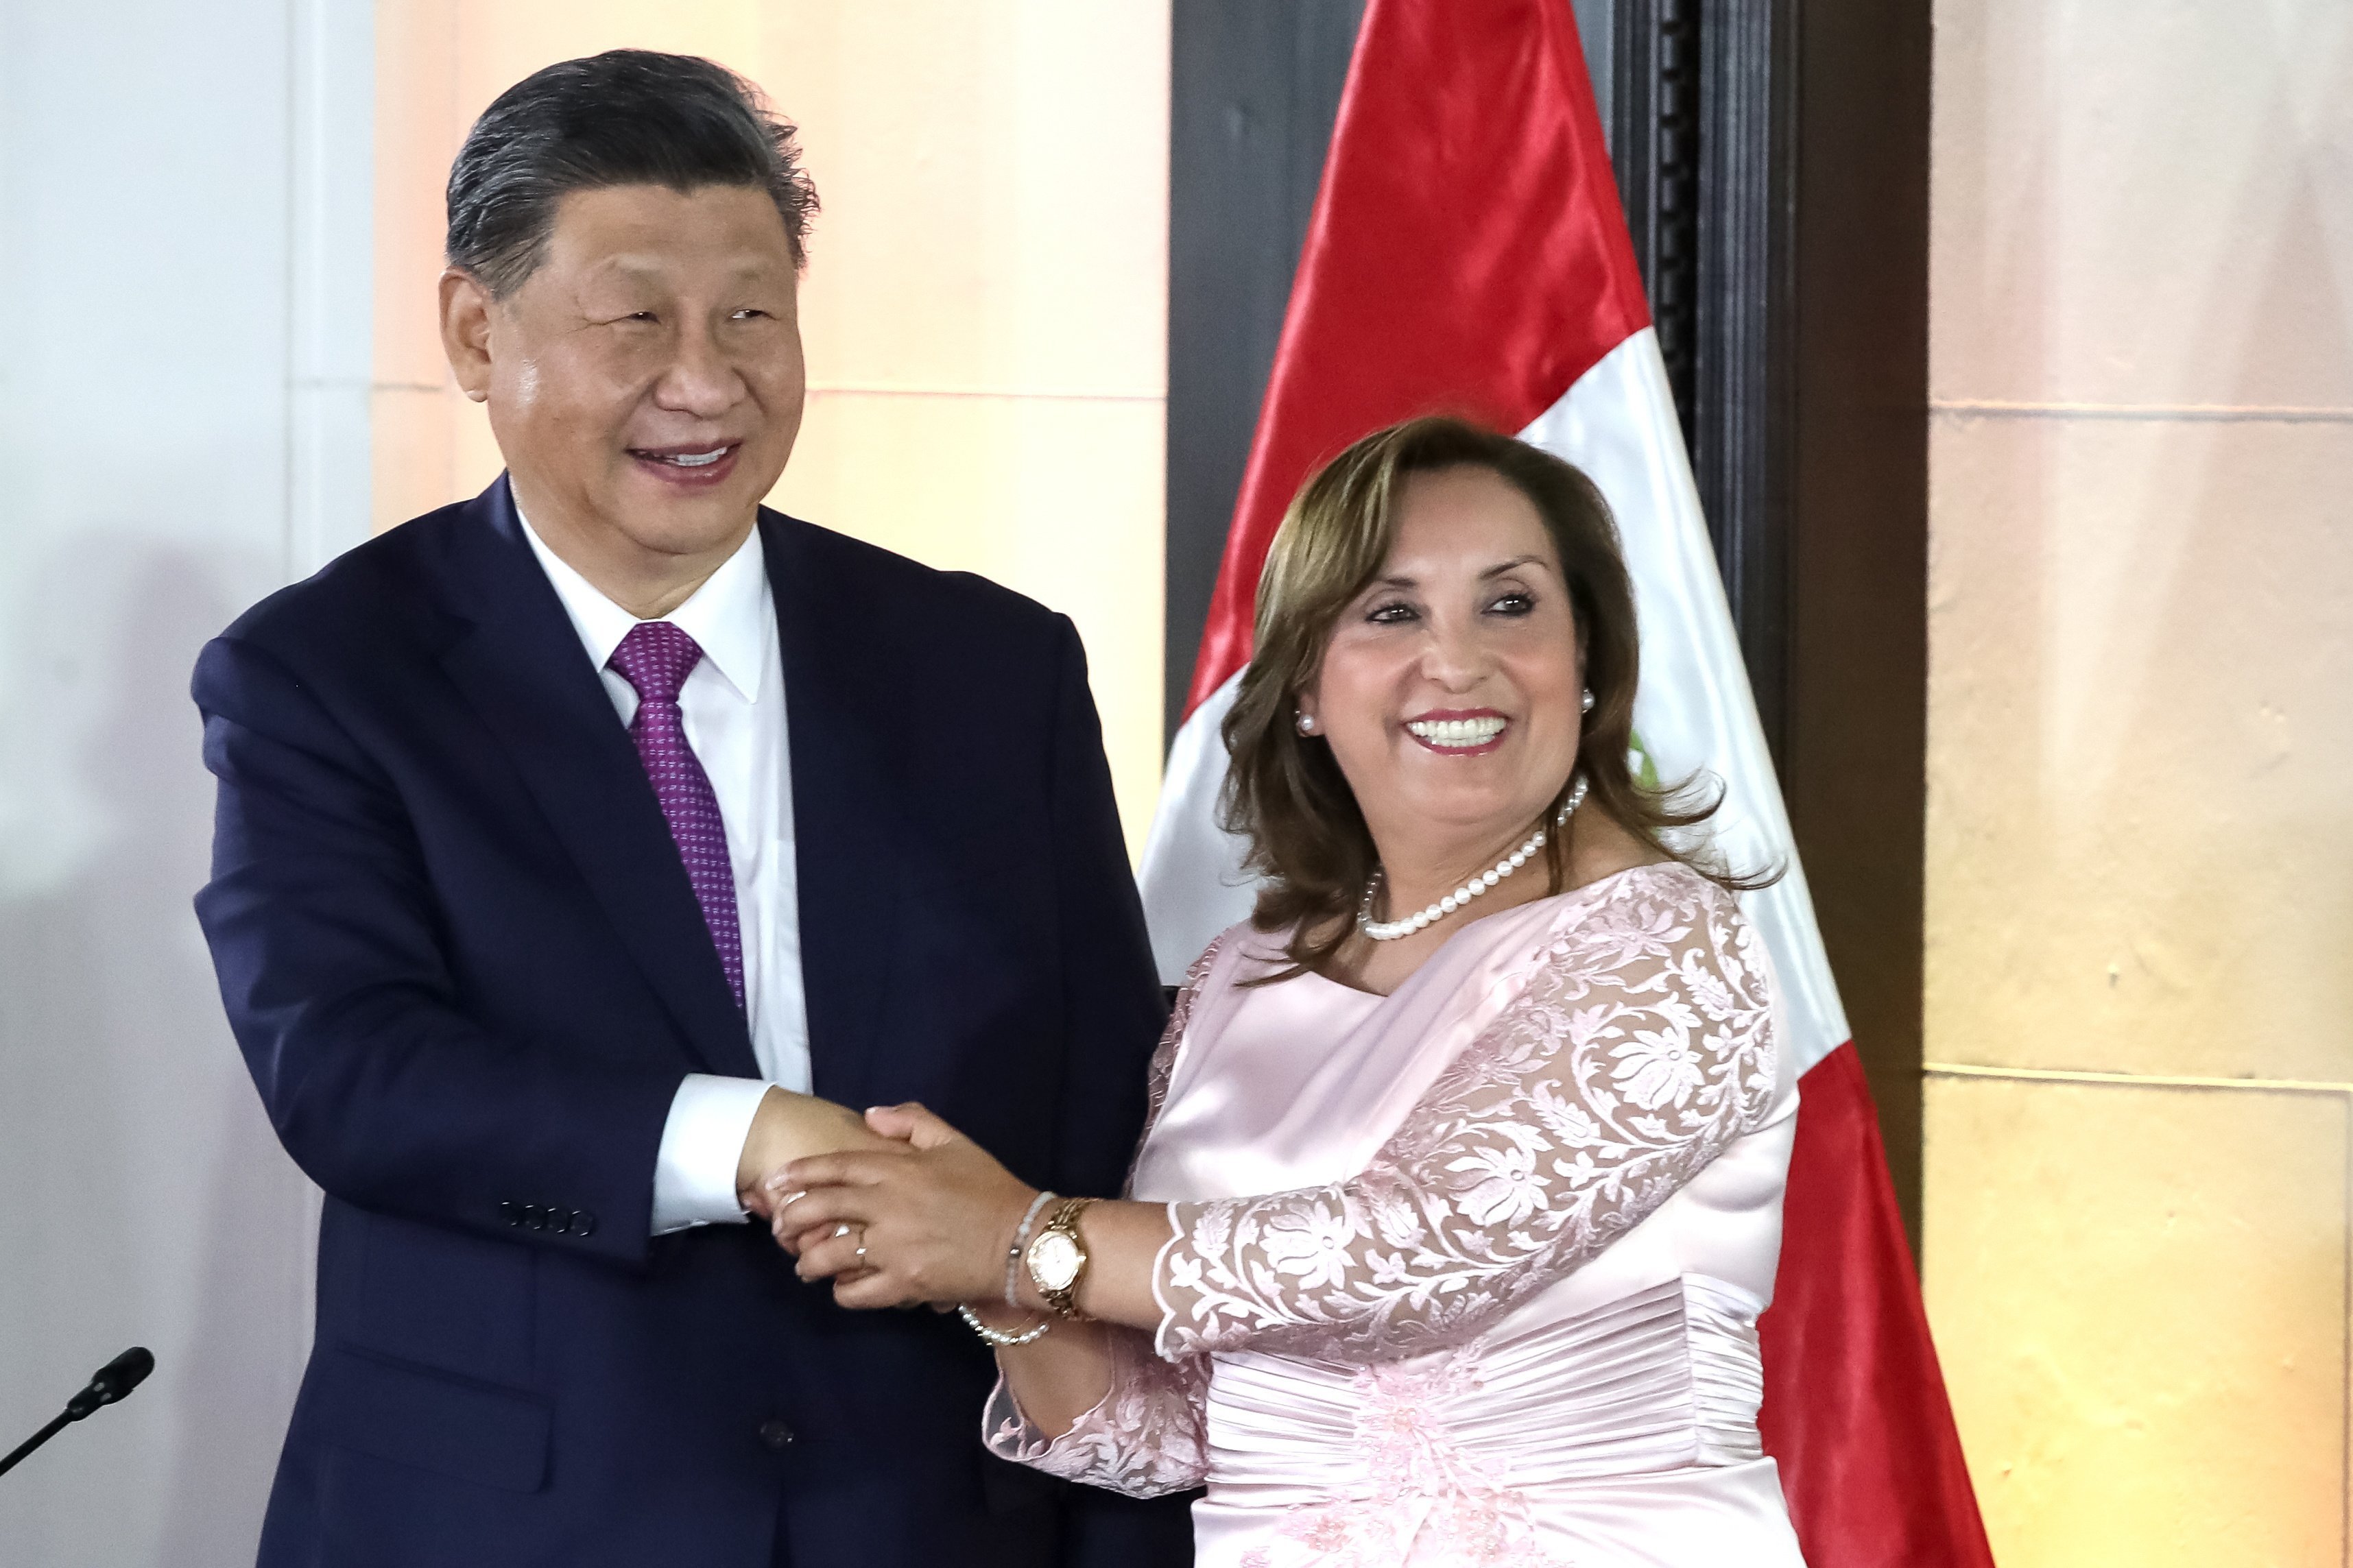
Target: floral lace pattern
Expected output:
[1143,1438]
[1641,1047]
[1431,1500]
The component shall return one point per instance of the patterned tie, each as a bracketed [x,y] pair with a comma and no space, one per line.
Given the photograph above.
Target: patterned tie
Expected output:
[656,658]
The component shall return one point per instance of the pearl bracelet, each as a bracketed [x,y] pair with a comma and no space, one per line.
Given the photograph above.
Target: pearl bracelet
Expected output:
[1013,1253]
[1002,1339]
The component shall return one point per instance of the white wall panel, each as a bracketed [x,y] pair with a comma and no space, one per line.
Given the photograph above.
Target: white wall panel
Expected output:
[185,246]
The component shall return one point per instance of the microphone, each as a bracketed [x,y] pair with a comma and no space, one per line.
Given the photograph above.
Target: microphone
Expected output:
[112,1382]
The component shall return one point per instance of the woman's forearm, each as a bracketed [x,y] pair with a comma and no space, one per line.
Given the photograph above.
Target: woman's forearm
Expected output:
[1123,1241]
[1058,1378]
[1067,1372]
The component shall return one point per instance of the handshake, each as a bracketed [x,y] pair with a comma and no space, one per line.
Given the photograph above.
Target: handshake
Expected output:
[894,1207]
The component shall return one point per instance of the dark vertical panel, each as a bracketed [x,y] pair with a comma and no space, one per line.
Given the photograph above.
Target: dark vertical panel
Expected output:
[1856,776]
[1741,367]
[1776,182]
[1701,155]
[1255,89]
[1655,92]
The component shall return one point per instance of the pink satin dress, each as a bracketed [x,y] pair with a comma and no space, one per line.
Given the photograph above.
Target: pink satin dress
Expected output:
[1468,1274]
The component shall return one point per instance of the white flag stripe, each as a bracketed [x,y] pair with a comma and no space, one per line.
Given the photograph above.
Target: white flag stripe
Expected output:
[1694,709]
[1192,878]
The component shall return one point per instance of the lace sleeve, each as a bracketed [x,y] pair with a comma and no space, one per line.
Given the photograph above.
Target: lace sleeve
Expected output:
[1641,1047]
[1144,1437]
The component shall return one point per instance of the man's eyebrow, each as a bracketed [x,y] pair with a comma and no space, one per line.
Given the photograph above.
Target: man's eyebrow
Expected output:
[634,264]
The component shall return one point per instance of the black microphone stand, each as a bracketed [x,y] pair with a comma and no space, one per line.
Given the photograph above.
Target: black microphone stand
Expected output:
[114,1381]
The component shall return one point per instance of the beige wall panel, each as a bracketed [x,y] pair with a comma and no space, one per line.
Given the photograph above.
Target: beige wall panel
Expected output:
[411,400]
[499,42]
[2139,836]
[2144,201]
[998,218]
[412,443]
[2139,1300]
[1059,499]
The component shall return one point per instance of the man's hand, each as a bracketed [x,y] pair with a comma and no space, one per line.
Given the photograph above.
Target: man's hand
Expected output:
[930,1223]
[789,1127]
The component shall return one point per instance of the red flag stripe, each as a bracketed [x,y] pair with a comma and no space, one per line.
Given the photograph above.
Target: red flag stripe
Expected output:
[1854,1402]
[1468,255]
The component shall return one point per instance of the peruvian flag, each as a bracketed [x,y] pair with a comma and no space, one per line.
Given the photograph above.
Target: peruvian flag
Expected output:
[1468,255]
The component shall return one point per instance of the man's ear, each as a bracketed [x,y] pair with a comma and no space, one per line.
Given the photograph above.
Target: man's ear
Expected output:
[466,331]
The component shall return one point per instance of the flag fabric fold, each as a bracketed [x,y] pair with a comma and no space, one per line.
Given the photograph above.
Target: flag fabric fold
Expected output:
[1468,255]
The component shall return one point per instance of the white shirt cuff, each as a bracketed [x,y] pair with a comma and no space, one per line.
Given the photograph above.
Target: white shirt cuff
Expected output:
[702,1144]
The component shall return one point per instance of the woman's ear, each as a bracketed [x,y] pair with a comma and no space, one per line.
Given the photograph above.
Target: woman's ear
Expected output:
[1305,717]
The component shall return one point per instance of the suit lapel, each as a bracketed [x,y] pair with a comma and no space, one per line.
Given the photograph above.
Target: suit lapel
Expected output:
[844,808]
[519,662]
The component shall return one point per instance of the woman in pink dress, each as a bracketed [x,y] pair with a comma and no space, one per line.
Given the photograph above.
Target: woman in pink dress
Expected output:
[1462,1194]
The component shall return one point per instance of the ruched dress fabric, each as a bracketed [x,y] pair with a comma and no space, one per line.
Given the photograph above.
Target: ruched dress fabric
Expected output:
[1468,1274]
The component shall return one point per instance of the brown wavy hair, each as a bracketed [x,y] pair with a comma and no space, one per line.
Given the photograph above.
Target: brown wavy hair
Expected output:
[1285,792]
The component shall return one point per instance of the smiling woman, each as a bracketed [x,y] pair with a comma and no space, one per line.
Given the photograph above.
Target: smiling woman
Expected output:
[1446,636]
[1397,1191]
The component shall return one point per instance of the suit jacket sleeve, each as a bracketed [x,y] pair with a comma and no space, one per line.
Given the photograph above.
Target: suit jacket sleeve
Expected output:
[322,918]
[1114,1009]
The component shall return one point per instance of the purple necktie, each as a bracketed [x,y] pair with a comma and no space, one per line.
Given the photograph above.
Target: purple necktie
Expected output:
[655,657]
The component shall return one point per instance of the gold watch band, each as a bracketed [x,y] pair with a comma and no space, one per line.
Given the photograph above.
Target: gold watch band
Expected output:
[1057,1258]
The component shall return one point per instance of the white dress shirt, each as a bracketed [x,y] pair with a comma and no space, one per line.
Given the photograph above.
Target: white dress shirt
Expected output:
[732,705]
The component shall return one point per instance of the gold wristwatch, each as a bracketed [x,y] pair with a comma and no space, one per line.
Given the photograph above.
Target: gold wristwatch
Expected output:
[1057,1258]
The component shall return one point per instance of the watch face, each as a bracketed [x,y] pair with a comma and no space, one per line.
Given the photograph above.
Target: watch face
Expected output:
[1053,1261]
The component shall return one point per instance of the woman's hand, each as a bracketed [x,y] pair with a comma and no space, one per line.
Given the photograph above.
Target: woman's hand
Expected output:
[931,1224]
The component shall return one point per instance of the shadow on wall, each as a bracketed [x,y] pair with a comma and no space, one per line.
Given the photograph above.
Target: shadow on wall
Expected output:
[148,1201]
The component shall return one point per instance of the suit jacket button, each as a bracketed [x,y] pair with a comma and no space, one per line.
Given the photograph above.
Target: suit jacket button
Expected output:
[534,1215]
[583,1223]
[511,1213]
[775,1435]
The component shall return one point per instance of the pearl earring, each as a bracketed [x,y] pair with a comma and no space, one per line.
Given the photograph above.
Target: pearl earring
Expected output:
[1586,706]
[1306,724]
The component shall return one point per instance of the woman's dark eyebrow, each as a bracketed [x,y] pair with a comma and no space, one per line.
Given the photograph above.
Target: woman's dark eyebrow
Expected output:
[1401,581]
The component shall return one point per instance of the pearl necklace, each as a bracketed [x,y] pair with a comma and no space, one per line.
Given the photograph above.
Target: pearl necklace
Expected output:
[1389,931]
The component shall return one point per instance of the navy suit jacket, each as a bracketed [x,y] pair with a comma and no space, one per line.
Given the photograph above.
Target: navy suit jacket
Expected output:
[464,963]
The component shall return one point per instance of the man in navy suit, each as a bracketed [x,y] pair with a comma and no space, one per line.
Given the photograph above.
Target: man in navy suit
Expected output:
[561,831]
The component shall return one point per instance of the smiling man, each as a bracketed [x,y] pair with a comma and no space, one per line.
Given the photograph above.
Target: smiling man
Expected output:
[560,828]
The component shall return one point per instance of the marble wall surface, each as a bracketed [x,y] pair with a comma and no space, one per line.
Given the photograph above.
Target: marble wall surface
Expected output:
[2139,1007]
